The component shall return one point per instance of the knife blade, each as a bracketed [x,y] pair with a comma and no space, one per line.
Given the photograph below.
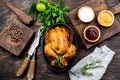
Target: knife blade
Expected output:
[35,42]
[33,47]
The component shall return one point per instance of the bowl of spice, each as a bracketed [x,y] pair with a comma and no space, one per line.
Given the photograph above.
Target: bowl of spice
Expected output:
[16,34]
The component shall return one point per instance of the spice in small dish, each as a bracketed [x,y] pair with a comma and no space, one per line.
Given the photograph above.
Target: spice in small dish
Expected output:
[86,14]
[92,33]
[16,34]
[105,18]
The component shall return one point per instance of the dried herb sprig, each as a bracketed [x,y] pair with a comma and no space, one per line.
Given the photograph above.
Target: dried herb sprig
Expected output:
[91,65]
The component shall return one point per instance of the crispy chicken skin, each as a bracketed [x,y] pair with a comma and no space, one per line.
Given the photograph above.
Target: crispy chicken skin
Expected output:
[53,62]
[49,52]
[46,38]
[59,38]
[58,46]
[70,52]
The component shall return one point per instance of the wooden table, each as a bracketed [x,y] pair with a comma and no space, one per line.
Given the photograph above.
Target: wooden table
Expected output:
[10,63]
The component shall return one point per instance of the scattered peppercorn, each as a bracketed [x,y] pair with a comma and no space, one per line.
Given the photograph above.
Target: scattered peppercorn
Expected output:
[16,34]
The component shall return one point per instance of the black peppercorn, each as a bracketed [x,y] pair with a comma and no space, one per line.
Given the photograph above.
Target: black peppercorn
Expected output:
[16,34]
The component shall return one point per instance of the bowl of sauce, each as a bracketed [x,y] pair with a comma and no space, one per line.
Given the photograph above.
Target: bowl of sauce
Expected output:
[86,14]
[91,33]
[105,18]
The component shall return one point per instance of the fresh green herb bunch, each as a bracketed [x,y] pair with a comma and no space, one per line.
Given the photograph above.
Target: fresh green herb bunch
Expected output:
[54,13]
[91,65]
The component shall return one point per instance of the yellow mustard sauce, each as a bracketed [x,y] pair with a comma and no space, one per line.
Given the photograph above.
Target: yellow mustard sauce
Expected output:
[106,18]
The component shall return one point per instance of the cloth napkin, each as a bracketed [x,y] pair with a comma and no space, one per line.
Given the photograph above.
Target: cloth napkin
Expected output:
[104,54]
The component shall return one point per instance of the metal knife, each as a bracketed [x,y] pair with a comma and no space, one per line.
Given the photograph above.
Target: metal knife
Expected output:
[31,53]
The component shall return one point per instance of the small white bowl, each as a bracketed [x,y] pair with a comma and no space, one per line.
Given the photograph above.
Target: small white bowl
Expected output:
[86,14]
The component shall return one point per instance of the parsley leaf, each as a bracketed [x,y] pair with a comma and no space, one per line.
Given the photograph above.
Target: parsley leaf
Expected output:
[54,13]
[32,9]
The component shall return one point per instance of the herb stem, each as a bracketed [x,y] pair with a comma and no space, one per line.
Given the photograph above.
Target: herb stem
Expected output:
[91,65]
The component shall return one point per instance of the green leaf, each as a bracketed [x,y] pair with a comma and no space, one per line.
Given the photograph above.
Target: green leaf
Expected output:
[65,9]
[48,23]
[32,9]
[61,1]
[58,19]
[57,6]
[53,22]
[54,14]
[63,19]
[47,12]
[48,18]
[38,15]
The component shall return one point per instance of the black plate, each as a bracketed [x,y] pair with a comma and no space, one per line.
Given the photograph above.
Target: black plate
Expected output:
[75,42]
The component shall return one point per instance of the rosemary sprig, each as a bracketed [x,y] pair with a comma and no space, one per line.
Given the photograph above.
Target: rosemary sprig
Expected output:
[91,65]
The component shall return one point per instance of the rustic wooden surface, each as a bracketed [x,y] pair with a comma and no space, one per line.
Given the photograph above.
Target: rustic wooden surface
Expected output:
[97,5]
[25,18]
[10,63]
[15,48]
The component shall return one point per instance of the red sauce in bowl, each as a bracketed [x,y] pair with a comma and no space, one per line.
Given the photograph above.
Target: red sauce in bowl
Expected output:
[92,33]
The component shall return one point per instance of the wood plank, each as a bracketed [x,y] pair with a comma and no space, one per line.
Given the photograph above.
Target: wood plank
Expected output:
[97,5]
[9,63]
[15,47]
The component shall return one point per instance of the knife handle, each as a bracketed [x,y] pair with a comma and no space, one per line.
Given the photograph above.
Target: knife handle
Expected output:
[25,18]
[23,67]
[31,70]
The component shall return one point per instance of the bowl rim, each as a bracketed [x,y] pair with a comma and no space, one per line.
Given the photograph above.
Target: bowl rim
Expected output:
[98,17]
[79,10]
[75,43]
[99,33]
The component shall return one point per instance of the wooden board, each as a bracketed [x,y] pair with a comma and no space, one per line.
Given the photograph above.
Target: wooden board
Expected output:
[9,63]
[15,47]
[97,5]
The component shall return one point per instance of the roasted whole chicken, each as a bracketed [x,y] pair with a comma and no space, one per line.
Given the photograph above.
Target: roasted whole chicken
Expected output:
[58,46]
